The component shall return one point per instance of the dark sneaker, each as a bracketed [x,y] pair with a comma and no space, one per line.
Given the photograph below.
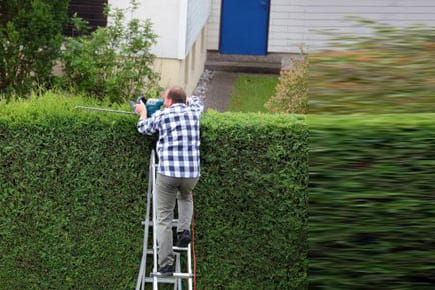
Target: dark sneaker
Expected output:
[167,270]
[183,239]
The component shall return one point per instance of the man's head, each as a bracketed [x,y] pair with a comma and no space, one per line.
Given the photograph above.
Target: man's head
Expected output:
[174,95]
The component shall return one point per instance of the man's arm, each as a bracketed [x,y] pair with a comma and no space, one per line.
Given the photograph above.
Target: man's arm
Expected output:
[145,126]
[195,103]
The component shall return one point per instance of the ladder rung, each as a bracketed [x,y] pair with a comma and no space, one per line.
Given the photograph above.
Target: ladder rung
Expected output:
[176,249]
[161,280]
[174,223]
[174,275]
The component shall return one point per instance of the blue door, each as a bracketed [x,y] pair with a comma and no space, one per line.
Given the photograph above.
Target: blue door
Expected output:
[244,27]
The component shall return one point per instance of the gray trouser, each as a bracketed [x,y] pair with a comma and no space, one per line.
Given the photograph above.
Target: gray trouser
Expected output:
[169,190]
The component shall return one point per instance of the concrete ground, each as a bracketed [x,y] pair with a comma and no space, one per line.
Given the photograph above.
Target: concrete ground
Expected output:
[219,90]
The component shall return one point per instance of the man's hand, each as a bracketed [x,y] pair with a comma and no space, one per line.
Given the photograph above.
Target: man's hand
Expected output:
[141,110]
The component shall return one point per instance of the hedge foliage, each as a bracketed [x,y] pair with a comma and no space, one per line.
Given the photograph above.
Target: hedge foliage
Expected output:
[372,211]
[72,195]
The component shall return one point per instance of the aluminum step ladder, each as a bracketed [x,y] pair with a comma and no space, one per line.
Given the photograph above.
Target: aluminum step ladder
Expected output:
[153,276]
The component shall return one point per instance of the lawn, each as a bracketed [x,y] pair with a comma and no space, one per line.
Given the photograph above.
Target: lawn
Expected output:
[250,92]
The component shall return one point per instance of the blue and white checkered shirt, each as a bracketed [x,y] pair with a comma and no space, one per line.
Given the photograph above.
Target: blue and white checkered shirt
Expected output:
[179,140]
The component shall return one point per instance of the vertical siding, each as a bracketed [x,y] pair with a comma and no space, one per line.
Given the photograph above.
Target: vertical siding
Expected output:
[198,12]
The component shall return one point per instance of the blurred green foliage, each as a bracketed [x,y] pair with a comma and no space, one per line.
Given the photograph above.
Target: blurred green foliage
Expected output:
[372,159]
[372,210]
[391,70]
[72,193]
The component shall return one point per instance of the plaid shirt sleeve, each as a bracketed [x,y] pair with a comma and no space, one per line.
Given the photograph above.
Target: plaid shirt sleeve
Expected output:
[149,126]
[195,103]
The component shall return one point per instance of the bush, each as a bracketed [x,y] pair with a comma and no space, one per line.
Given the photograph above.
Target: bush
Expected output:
[72,193]
[292,89]
[371,214]
[114,61]
[251,202]
[30,37]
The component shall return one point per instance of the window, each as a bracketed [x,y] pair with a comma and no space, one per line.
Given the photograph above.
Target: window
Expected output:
[90,10]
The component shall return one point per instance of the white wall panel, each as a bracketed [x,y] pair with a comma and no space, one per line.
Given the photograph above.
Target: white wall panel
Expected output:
[198,12]
[307,18]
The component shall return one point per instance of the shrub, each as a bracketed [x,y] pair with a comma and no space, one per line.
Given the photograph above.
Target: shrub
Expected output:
[292,89]
[72,193]
[113,61]
[30,38]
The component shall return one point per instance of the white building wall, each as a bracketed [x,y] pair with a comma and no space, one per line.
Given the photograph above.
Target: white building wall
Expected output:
[181,42]
[178,23]
[165,16]
[198,12]
[305,19]
[293,23]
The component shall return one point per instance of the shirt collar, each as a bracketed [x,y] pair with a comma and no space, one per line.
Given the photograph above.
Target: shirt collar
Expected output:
[177,105]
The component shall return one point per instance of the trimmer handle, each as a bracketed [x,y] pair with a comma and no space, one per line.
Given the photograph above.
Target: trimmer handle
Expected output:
[151,105]
[141,98]
[133,104]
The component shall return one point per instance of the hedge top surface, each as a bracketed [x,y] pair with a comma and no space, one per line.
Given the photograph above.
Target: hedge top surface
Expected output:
[39,110]
[55,106]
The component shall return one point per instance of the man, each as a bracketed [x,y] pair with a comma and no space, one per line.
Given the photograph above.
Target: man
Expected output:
[178,168]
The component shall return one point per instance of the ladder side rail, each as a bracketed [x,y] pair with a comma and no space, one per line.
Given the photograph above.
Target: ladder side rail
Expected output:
[154,218]
[178,281]
[142,271]
[141,281]
[148,211]
[189,266]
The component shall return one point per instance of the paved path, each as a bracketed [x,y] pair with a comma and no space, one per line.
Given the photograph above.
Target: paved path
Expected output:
[217,81]
[219,90]
[216,87]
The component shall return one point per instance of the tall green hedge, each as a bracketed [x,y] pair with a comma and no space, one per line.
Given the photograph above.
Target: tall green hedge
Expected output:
[72,195]
[372,202]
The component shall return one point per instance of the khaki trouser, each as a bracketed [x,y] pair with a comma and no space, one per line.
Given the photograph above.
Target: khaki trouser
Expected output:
[169,190]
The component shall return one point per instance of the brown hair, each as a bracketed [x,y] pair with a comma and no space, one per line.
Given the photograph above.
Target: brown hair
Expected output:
[177,95]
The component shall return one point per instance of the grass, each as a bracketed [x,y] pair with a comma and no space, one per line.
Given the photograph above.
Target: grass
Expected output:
[251,92]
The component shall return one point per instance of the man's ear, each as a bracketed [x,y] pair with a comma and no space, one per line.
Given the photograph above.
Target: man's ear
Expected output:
[167,102]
